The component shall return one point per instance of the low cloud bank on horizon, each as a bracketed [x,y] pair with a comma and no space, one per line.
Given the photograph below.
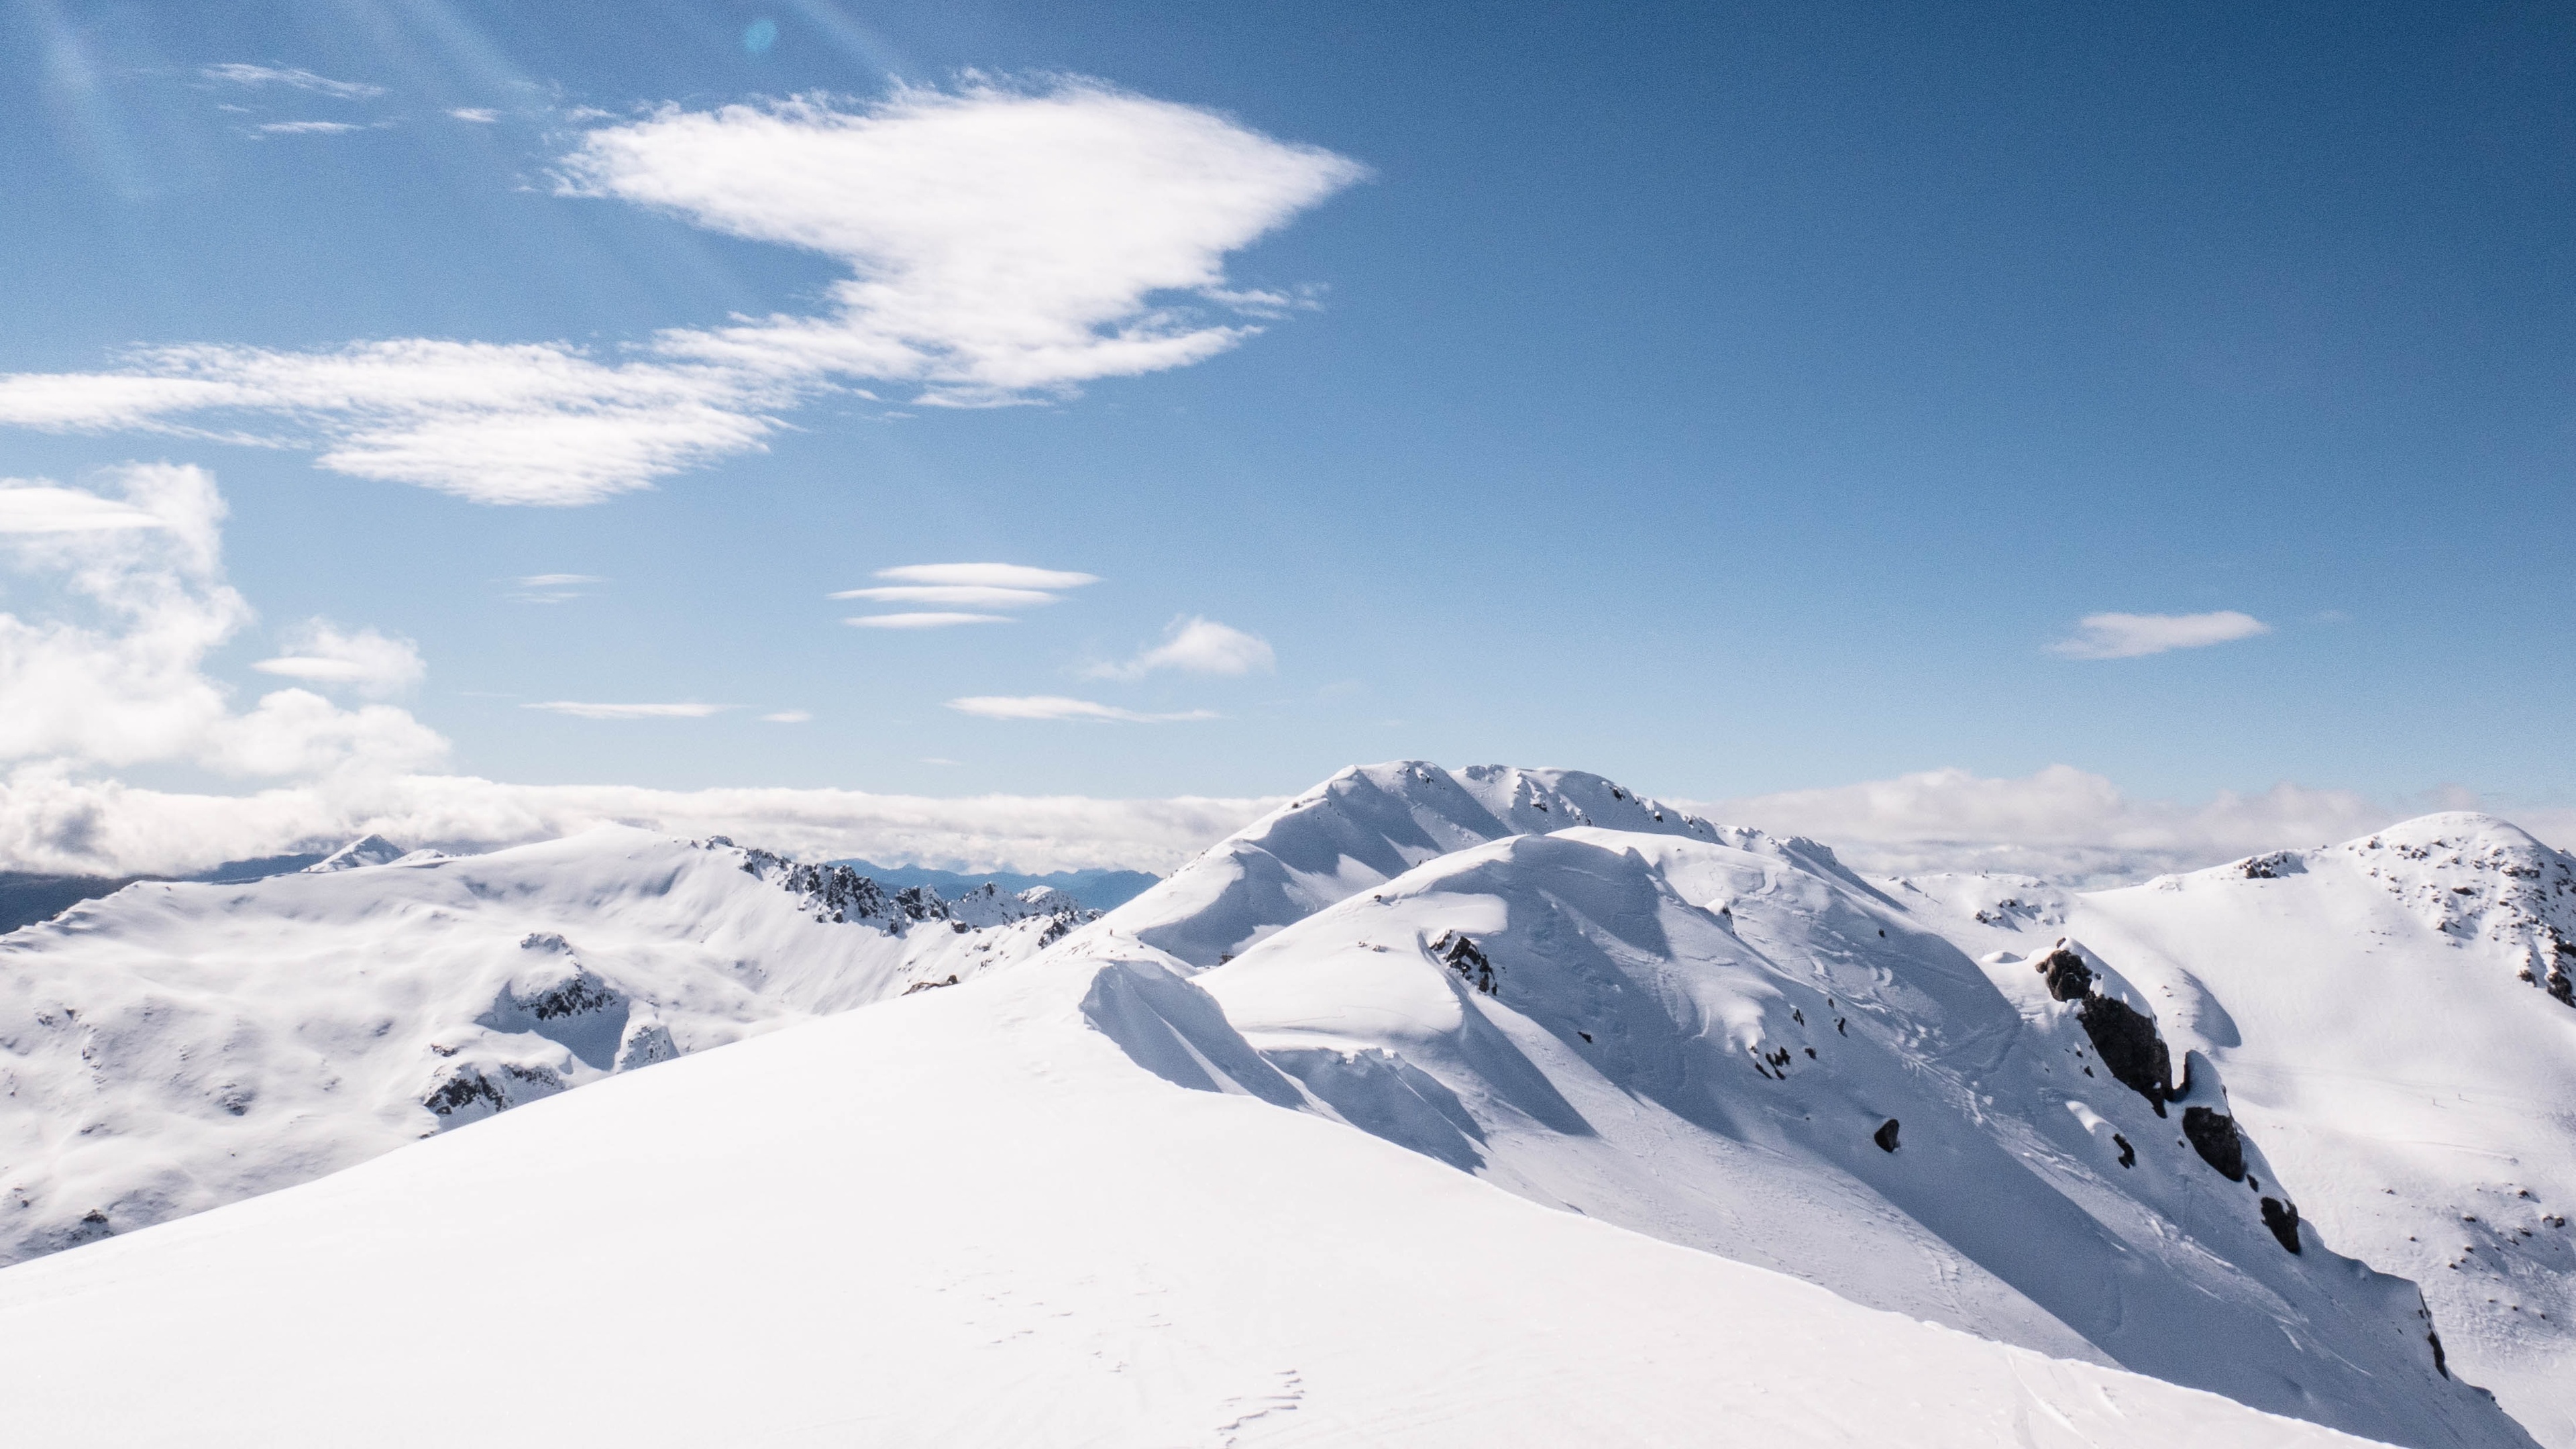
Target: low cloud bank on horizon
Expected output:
[2062,823]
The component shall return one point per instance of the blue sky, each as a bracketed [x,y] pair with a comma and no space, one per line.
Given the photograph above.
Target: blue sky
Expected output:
[1732,399]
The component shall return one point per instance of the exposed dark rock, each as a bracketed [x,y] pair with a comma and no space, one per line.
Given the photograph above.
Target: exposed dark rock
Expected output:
[2441,1362]
[1885,1136]
[2128,1154]
[2213,1135]
[2128,1045]
[2283,1219]
[930,985]
[461,1091]
[2068,977]
[2274,866]
[1460,955]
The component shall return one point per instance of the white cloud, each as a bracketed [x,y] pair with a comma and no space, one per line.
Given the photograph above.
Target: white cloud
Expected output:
[2061,822]
[479,115]
[579,710]
[788,716]
[931,619]
[981,596]
[2131,636]
[1003,246]
[52,821]
[1196,646]
[988,575]
[114,674]
[365,660]
[302,80]
[306,128]
[42,508]
[1051,706]
[553,588]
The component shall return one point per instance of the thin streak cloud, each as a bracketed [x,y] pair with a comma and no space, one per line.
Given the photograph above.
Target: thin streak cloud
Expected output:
[1056,707]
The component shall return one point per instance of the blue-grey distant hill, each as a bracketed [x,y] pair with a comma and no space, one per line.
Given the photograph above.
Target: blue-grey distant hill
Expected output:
[1099,889]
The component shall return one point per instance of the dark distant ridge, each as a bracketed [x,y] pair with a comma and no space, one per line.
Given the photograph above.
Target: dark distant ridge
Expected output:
[27,897]
[1101,890]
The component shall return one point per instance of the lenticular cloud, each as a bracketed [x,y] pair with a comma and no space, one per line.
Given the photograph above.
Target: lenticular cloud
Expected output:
[1003,247]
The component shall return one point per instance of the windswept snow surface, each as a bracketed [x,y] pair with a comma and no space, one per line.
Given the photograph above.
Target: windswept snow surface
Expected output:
[971,1218]
[175,1046]
[2392,1018]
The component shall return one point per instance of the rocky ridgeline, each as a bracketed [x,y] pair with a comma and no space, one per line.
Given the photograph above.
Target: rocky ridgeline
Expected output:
[840,895]
[2470,877]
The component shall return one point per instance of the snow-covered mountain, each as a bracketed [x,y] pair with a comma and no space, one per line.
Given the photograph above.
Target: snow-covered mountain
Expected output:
[2392,1016]
[1716,1038]
[971,1218]
[176,1046]
[1238,1161]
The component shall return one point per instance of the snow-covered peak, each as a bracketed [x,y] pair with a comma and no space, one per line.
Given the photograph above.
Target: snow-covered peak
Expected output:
[1745,1053]
[1366,825]
[363,851]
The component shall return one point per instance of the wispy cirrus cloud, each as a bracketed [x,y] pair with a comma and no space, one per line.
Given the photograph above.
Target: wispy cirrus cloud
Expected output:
[29,507]
[306,128]
[789,716]
[2133,636]
[478,115]
[1196,646]
[969,589]
[237,73]
[925,619]
[579,709]
[553,588]
[1057,707]
[1004,246]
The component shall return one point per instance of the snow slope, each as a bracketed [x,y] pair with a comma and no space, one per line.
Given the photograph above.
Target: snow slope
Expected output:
[974,1218]
[175,1046]
[2391,1015]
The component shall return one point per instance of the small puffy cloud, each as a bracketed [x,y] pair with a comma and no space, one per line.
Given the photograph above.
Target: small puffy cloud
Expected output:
[306,128]
[788,716]
[1055,707]
[580,710]
[926,619]
[34,507]
[114,673]
[988,575]
[366,661]
[1001,246]
[303,80]
[1196,646]
[2132,636]
[479,115]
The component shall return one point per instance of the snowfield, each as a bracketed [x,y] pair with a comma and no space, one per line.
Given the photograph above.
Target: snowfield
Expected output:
[969,1218]
[1481,1106]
